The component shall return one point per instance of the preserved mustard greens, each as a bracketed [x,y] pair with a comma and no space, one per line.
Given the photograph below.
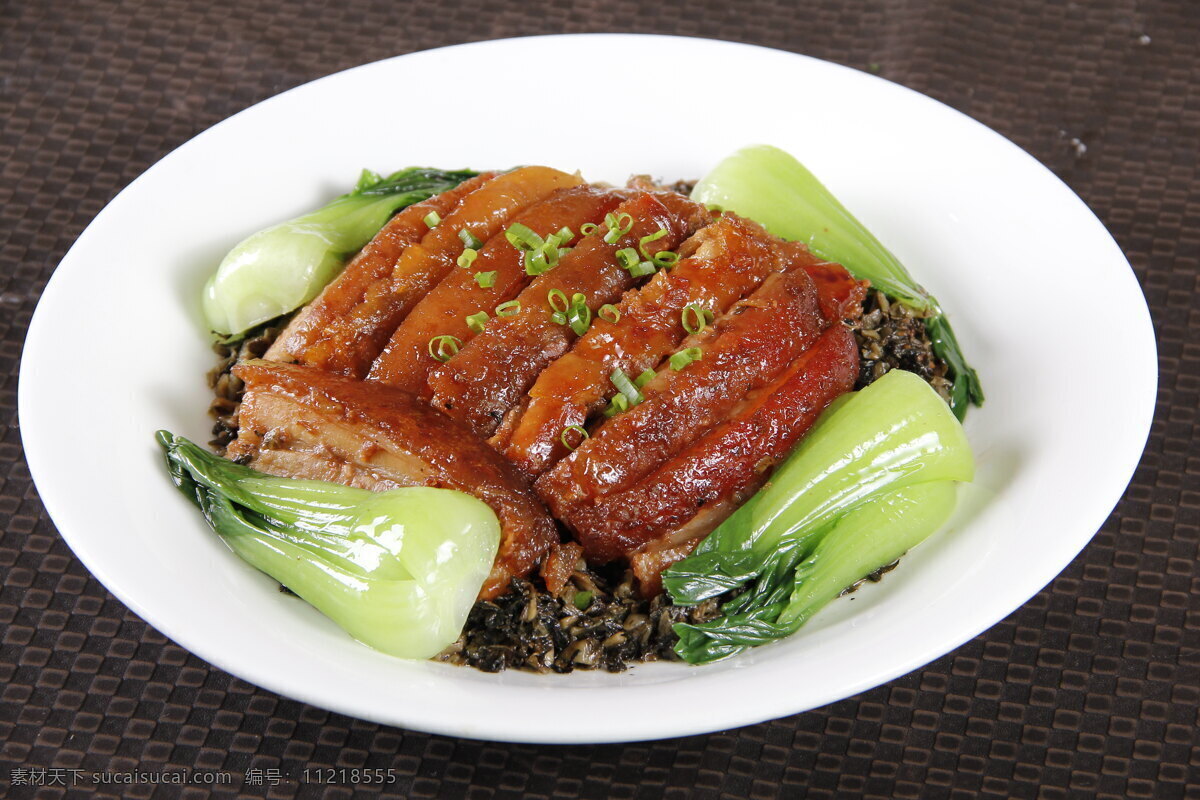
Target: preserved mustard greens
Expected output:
[397,570]
[874,477]
[774,189]
[279,269]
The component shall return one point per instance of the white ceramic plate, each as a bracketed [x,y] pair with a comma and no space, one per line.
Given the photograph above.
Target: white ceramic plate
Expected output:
[115,351]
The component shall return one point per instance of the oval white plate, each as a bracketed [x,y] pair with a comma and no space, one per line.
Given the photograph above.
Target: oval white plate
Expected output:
[115,351]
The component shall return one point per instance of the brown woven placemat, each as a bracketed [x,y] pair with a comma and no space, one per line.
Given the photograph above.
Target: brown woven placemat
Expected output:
[1092,689]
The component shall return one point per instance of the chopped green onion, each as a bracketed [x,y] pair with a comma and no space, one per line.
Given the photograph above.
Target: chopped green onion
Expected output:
[626,387]
[616,405]
[522,237]
[666,258]
[647,239]
[582,600]
[695,317]
[559,318]
[609,313]
[685,357]
[579,316]
[588,228]
[432,219]
[476,321]
[618,225]
[558,300]
[583,434]
[468,257]
[443,348]
[642,268]
[564,235]
[544,258]
[469,239]
[509,309]
[627,257]
[486,280]
[646,376]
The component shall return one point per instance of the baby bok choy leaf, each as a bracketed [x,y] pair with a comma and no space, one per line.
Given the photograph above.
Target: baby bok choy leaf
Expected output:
[771,187]
[279,269]
[397,570]
[873,478]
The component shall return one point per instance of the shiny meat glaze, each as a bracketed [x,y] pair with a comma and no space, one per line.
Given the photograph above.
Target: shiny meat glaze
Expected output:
[650,481]
[730,461]
[302,422]
[357,315]
[319,335]
[488,378]
[406,361]
[746,348]
[732,256]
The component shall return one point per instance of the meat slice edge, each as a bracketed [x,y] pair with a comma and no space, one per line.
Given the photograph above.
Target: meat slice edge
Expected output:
[301,422]
[488,378]
[730,258]
[315,336]
[406,361]
[349,341]
[684,500]
[746,348]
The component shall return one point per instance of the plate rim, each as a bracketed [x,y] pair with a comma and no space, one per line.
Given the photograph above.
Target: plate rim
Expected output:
[38,465]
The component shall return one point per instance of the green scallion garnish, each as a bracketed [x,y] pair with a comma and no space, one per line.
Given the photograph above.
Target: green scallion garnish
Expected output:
[579,316]
[588,228]
[432,219]
[558,300]
[509,309]
[443,348]
[616,405]
[579,429]
[642,268]
[647,239]
[609,313]
[627,257]
[522,237]
[468,257]
[469,239]
[685,357]
[695,318]
[646,376]
[582,600]
[665,258]
[476,321]
[486,280]
[626,387]
[618,225]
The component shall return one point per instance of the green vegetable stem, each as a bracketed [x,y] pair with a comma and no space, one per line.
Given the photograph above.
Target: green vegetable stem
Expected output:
[279,269]
[771,187]
[872,479]
[397,570]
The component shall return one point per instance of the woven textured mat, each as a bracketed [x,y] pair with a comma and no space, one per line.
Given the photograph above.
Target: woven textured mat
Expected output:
[1092,689]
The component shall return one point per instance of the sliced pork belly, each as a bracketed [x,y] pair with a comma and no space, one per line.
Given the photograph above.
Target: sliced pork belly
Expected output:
[730,258]
[746,348]
[657,520]
[301,422]
[492,373]
[347,326]
[315,336]
[841,295]
[406,361]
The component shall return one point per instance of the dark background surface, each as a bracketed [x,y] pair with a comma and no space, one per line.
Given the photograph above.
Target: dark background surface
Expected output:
[1091,689]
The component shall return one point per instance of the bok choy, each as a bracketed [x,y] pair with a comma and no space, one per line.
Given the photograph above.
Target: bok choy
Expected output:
[872,479]
[279,269]
[397,570]
[771,187]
